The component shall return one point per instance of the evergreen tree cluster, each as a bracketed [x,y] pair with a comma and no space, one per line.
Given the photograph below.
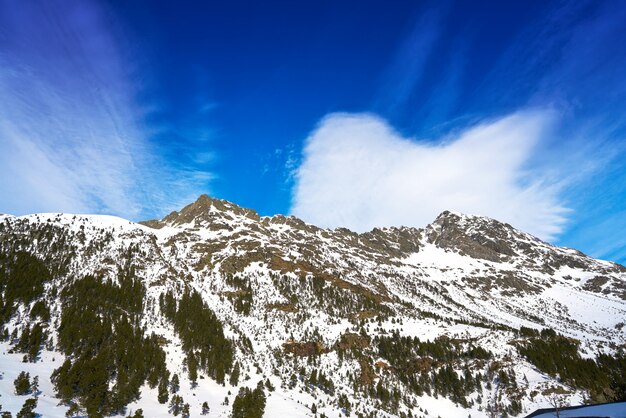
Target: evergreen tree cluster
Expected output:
[427,366]
[242,299]
[556,355]
[402,350]
[249,403]
[318,379]
[341,299]
[54,243]
[201,332]
[22,279]
[40,311]
[108,355]
[22,384]
[178,406]
[31,341]
[28,409]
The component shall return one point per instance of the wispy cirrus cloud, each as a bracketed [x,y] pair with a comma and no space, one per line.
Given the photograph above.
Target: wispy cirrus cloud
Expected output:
[72,136]
[358,172]
[405,71]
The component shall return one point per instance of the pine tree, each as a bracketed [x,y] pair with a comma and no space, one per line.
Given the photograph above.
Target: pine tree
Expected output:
[22,383]
[205,408]
[249,403]
[73,411]
[174,384]
[234,375]
[34,386]
[192,366]
[176,405]
[163,395]
[28,409]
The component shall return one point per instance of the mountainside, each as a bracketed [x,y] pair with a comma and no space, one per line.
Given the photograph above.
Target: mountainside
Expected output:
[467,316]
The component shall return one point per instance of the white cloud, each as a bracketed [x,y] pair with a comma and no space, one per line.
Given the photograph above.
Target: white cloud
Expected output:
[359,173]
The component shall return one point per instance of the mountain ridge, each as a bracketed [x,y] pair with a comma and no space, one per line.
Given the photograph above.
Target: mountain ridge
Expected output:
[292,299]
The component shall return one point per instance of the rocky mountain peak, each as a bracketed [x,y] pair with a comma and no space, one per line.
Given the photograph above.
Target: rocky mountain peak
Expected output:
[205,209]
[476,236]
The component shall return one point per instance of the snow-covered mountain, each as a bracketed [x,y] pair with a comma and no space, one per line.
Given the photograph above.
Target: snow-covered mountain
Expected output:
[467,316]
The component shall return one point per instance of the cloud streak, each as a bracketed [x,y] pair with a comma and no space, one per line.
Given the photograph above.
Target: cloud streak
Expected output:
[71,134]
[358,172]
[407,67]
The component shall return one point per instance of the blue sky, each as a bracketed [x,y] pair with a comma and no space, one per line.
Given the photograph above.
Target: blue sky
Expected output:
[343,113]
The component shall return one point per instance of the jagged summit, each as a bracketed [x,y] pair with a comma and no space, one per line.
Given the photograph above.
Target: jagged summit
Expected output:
[477,236]
[207,207]
[204,209]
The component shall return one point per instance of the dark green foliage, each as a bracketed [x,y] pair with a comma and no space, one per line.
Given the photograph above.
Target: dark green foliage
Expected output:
[426,367]
[528,332]
[234,375]
[448,383]
[22,383]
[28,409]
[515,408]
[338,299]
[242,302]
[163,394]
[604,378]
[343,402]
[249,403]
[192,368]
[176,405]
[175,384]
[320,380]
[201,333]
[6,414]
[101,335]
[74,410]
[402,350]
[205,408]
[30,341]
[40,310]
[241,299]
[138,414]
[22,279]
[615,369]
[34,386]
[560,355]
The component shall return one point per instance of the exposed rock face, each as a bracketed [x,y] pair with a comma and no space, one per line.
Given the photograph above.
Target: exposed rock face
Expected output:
[208,208]
[350,341]
[487,239]
[304,349]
